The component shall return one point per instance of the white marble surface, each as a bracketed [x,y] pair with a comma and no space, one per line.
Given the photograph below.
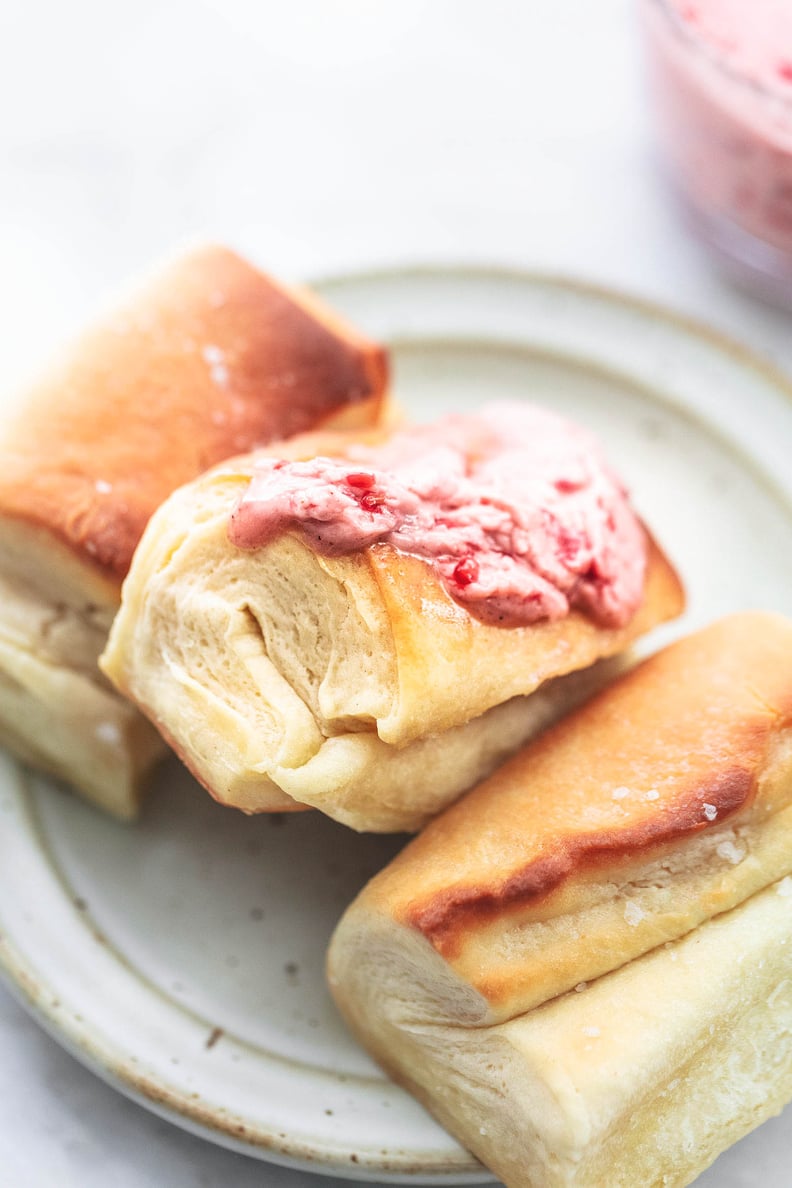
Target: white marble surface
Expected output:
[316,137]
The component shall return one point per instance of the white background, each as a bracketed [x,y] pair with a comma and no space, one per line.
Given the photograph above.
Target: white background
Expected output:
[315,137]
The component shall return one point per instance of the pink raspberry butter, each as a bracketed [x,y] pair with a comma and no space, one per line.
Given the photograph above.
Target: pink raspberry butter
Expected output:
[514,508]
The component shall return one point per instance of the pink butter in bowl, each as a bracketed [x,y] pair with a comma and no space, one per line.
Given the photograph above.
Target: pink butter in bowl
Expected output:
[721,78]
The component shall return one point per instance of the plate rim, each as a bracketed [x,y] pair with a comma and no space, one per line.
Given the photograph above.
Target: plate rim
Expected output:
[612,295]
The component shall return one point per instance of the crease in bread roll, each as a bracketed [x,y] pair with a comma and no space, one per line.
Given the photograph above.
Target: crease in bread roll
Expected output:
[350,683]
[208,358]
[584,967]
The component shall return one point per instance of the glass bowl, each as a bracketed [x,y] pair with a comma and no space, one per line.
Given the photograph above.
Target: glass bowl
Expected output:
[723,107]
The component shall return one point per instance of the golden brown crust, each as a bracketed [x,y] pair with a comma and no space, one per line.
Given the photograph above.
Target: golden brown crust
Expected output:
[210,359]
[449,915]
[673,748]
[431,632]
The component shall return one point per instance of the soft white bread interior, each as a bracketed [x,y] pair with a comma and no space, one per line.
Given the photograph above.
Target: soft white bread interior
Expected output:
[578,967]
[208,358]
[353,684]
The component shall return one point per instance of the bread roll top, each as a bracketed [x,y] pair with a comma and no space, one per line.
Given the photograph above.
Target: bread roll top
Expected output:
[661,803]
[210,358]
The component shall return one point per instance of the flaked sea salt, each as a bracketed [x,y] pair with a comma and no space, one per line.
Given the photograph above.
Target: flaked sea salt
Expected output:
[710,811]
[653,794]
[620,793]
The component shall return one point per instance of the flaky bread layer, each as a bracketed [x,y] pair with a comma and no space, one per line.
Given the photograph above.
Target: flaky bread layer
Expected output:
[369,785]
[364,783]
[642,1077]
[283,667]
[665,800]
[209,358]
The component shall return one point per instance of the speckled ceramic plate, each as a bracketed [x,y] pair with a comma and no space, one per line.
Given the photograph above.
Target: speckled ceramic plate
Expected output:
[182,958]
